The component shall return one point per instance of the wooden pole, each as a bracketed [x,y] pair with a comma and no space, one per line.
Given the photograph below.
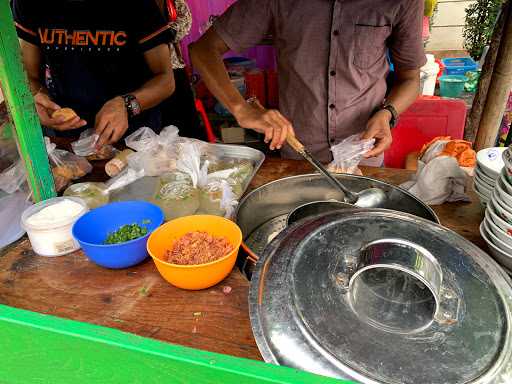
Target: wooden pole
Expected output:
[499,89]
[21,107]
[473,120]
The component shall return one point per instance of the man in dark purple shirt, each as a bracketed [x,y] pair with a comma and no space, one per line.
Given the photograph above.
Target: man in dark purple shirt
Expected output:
[332,67]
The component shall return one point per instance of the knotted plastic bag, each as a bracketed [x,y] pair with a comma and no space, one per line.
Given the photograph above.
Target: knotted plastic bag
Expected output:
[86,146]
[156,154]
[65,165]
[348,154]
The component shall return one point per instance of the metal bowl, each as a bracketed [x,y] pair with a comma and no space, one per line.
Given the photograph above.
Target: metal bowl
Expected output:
[315,208]
[262,214]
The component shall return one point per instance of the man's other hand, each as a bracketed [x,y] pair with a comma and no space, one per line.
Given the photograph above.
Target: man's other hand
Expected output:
[378,128]
[45,109]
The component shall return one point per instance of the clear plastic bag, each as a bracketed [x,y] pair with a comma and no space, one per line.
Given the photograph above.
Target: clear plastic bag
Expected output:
[348,154]
[189,162]
[217,198]
[12,178]
[176,195]
[156,154]
[93,194]
[85,146]
[126,177]
[66,166]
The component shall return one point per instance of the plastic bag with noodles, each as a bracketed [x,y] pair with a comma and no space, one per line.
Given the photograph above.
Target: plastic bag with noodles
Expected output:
[348,154]
[217,198]
[65,165]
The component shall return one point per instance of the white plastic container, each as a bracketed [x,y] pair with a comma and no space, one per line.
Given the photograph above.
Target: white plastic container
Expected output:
[429,76]
[52,238]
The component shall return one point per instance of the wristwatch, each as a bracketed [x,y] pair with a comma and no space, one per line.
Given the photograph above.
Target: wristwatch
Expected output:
[394,114]
[132,105]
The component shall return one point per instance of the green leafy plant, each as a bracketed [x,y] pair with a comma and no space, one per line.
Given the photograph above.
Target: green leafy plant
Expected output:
[480,20]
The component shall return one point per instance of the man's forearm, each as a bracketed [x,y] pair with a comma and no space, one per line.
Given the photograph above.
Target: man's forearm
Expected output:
[206,58]
[405,91]
[156,90]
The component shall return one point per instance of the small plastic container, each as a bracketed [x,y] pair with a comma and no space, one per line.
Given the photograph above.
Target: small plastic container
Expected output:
[459,65]
[452,85]
[55,238]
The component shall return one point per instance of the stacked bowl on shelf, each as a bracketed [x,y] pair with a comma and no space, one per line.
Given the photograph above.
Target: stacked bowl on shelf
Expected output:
[487,172]
[496,229]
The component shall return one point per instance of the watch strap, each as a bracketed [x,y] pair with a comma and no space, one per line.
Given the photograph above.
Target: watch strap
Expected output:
[394,113]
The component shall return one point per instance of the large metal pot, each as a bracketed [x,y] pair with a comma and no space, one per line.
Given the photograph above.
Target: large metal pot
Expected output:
[263,212]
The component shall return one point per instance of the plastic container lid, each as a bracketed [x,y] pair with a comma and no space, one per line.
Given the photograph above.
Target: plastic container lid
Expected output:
[32,210]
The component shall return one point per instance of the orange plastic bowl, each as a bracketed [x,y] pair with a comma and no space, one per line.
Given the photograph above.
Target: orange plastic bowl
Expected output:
[201,276]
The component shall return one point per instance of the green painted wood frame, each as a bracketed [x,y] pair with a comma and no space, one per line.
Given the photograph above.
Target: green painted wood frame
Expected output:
[36,348]
[20,102]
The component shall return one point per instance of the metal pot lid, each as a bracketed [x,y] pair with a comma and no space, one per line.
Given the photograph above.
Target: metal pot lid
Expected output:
[382,297]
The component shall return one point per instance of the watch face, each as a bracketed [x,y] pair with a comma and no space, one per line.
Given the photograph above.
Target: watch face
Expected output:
[136,109]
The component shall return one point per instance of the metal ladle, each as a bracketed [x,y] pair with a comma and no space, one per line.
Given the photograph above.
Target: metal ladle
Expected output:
[367,198]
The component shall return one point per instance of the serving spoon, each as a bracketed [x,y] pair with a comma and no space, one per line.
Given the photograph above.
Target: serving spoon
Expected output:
[367,198]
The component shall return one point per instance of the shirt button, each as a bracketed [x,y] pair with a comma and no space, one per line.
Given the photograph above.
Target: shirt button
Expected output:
[332,73]
[332,106]
[336,32]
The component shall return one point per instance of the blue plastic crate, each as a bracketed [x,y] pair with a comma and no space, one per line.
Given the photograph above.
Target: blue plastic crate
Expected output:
[459,65]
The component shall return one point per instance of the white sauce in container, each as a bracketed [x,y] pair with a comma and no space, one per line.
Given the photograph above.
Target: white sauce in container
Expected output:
[49,223]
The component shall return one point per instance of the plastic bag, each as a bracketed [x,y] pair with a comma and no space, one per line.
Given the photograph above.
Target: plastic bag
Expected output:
[217,198]
[66,166]
[176,195]
[156,154]
[93,194]
[348,154]
[12,178]
[86,146]
[126,177]
[11,209]
[189,162]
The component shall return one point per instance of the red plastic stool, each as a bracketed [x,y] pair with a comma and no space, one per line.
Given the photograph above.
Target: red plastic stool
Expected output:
[425,119]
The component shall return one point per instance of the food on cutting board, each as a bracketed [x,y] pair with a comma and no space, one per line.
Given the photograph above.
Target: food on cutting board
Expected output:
[198,247]
[126,233]
[64,114]
[93,194]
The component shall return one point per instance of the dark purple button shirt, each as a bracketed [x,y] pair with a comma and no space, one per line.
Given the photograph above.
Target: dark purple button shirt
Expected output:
[331,58]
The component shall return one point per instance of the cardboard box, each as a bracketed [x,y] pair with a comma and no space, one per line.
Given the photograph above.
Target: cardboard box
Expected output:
[233,135]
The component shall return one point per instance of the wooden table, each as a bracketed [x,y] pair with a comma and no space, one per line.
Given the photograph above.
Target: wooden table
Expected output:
[139,301]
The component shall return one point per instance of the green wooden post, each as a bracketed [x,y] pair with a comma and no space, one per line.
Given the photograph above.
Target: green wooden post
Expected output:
[21,107]
[37,348]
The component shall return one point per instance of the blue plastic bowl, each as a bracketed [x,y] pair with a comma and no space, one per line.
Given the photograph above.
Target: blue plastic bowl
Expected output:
[92,229]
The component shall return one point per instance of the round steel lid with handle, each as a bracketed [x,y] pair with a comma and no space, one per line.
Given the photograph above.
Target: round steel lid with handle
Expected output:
[377,296]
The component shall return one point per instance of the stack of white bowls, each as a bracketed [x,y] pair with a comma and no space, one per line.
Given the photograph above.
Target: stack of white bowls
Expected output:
[489,163]
[496,229]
